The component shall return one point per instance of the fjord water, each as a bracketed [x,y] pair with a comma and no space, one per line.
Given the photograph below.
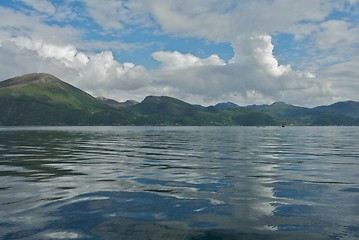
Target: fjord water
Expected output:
[179,183]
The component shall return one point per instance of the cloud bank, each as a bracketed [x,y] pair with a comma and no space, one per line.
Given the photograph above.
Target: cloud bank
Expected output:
[41,40]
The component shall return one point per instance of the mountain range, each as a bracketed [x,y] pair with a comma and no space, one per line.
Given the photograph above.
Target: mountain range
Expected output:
[42,99]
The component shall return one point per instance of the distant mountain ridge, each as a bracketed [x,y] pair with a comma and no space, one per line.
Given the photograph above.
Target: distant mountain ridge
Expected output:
[43,99]
[226,105]
[281,110]
[321,115]
[116,104]
[348,108]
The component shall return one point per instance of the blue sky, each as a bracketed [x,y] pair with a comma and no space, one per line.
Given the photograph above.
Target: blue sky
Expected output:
[206,51]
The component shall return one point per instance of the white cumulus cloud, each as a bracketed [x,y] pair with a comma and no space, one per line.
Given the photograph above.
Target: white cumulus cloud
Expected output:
[42,6]
[95,72]
[254,72]
[258,52]
[336,34]
[38,37]
[178,60]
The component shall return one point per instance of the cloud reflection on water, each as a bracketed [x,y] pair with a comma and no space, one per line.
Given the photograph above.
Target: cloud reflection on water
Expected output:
[79,182]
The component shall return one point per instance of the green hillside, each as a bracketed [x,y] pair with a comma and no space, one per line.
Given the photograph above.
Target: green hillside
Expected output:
[348,108]
[42,99]
[281,110]
[170,111]
[336,114]
[155,110]
[48,89]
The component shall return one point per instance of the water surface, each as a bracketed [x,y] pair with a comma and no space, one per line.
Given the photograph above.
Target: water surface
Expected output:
[179,183]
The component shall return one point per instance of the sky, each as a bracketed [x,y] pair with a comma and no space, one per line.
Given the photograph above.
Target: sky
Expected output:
[205,51]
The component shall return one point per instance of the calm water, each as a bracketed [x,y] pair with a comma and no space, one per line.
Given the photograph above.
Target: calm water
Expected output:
[179,183]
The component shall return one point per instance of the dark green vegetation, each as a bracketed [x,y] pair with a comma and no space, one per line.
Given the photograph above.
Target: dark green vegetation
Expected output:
[42,99]
[318,116]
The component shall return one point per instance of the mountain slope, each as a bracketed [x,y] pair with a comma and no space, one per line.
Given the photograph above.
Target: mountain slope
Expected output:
[281,110]
[163,110]
[348,108]
[171,111]
[42,99]
[115,104]
[306,116]
[47,88]
[226,105]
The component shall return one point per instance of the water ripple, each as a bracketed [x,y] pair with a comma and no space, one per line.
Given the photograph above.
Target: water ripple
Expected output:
[179,182]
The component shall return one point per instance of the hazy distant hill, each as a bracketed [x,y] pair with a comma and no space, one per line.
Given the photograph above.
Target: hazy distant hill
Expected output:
[348,108]
[116,104]
[42,99]
[226,105]
[281,110]
[307,116]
